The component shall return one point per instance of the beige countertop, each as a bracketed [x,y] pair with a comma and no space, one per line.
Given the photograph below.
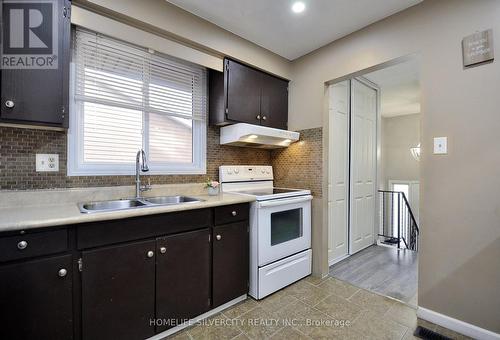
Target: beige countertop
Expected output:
[31,213]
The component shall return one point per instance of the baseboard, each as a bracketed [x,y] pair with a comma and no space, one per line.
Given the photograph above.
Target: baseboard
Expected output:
[337,260]
[165,334]
[456,325]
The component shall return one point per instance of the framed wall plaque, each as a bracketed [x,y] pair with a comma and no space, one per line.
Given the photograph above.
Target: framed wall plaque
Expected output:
[478,48]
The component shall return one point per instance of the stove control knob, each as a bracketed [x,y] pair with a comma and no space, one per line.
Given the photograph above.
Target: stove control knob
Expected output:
[268,172]
[229,171]
[236,171]
[263,171]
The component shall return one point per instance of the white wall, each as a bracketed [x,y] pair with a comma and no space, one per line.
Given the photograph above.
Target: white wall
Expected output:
[459,271]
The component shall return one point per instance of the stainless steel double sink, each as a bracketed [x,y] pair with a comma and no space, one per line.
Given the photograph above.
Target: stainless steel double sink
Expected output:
[134,203]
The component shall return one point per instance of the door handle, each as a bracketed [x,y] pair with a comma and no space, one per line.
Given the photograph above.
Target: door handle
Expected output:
[264,117]
[258,117]
[22,245]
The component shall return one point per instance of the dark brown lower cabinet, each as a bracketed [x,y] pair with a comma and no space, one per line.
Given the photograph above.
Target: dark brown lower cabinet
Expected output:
[133,281]
[118,291]
[230,262]
[36,299]
[182,277]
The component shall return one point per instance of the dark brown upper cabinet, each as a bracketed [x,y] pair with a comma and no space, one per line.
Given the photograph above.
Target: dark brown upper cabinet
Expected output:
[274,102]
[39,96]
[242,94]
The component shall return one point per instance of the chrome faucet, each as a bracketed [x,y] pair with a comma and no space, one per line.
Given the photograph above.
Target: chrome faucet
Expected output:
[140,167]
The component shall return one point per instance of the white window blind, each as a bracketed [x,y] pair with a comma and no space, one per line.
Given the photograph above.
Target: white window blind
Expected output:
[127,98]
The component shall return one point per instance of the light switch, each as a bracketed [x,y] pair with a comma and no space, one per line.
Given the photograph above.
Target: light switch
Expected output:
[47,162]
[440,145]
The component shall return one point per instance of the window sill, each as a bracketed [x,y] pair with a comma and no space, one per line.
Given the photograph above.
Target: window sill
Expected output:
[132,173]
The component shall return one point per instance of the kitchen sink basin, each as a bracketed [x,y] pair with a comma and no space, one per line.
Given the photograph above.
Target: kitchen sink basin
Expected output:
[110,205]
[125,204]
[168,200]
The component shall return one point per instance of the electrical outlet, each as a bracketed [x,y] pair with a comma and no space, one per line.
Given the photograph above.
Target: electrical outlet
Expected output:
[47,162]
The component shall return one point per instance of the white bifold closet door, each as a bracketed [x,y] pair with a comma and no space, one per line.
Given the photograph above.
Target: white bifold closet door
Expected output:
[338,177]
[363,169]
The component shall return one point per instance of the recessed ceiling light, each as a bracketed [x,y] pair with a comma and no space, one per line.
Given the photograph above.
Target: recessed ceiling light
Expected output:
[298,7]
[253,136]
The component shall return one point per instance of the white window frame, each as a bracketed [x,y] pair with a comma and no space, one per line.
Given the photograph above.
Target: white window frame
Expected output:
[76,166]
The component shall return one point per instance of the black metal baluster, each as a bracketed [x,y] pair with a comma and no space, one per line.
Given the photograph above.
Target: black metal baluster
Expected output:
[383,212]
[399,221]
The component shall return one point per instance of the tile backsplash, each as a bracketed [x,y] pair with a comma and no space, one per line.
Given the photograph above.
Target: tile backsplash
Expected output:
[299,165]
[18,147]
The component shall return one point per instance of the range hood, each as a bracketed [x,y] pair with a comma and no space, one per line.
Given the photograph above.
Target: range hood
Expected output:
[256,136]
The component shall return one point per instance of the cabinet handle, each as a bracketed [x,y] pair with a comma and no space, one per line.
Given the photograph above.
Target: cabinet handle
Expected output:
[22,245]
[163,250]
[264,117]
[150,253]
[218,237]
[10,104]
[258,117]
[234,213]
[62,272]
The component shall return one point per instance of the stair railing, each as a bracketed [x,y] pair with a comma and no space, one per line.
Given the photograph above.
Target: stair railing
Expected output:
[399,226]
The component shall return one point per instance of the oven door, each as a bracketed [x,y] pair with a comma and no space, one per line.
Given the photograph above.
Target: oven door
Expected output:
[284,227]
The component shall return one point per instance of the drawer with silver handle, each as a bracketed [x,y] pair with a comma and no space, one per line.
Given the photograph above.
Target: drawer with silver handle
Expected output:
[34,244]
[231,213]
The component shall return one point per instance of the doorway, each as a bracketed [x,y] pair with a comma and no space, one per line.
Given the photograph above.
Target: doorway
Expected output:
[373,180]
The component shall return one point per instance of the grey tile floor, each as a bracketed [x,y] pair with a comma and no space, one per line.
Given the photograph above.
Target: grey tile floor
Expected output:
[314,308]
[385,270]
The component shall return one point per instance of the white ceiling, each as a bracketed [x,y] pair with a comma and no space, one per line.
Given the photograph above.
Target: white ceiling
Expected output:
[399,88]
[272,24]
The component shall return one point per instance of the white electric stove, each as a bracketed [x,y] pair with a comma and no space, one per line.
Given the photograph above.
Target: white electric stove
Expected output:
[280,228]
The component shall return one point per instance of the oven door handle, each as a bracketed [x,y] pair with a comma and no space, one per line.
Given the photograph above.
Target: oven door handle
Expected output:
[278,202]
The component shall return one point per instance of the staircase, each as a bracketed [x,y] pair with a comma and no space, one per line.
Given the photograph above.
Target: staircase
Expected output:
[399,227]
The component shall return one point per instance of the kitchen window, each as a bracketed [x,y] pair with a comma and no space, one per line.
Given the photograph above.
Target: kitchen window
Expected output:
[126,98]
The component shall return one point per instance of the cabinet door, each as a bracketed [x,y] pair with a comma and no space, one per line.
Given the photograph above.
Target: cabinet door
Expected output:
[230,262]
[36,299]
[182,277]
[40,95]
[274,104]
[118,286]
[243,93]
